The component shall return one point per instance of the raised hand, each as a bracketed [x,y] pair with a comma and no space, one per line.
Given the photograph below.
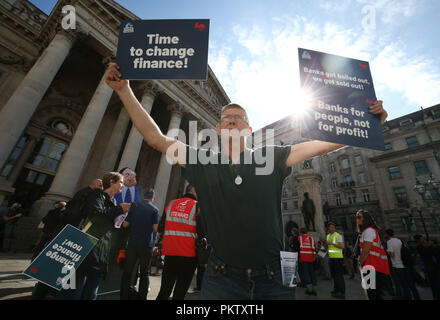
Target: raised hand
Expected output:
[113,78]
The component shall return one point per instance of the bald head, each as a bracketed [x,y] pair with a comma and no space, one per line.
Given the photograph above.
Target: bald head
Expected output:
[96,184]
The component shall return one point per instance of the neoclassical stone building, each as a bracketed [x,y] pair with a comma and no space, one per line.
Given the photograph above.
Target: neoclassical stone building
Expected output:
[61,125]
[380,182]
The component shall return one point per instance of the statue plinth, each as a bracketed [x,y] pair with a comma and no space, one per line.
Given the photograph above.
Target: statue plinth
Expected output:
[309,181]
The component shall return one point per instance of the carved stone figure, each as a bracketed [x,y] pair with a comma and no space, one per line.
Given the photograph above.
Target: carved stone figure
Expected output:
[308,210]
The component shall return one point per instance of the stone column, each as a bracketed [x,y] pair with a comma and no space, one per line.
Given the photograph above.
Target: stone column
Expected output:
[193,141]
[69,171]
[17,112]
[164,171]
[114,143]
[134,142]
[309,181]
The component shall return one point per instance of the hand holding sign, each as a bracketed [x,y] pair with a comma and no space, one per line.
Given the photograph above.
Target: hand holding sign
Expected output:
[377,108]
[113,78]
[125,207]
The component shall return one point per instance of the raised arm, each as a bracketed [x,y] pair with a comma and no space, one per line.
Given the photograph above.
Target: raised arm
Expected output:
[307,150]
[141,119]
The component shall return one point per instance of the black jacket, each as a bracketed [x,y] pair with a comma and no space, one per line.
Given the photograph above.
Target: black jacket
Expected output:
[101,212]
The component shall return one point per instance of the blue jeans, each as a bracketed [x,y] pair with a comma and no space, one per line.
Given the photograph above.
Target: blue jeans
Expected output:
[226,282]
[308,274]
[407,284]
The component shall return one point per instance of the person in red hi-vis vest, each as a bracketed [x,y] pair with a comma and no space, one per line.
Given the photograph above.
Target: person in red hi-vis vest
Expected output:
[178,229]
[373,260]
[307,255]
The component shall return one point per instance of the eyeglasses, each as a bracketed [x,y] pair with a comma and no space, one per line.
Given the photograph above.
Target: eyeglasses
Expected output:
[228,117]
[130,174]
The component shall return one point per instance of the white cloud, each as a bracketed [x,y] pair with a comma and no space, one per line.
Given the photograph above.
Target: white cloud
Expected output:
[261,72]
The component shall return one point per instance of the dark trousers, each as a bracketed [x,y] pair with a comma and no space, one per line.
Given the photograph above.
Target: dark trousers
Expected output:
[309,276]
[434,280]
[143,255]
[337,272]
[406,283]
[200,272]
[178,271]
[381,283]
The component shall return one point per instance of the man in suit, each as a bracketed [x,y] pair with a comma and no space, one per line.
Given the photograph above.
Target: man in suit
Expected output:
[141,221]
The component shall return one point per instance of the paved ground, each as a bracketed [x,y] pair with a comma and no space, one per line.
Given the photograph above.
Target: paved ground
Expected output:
[14,285]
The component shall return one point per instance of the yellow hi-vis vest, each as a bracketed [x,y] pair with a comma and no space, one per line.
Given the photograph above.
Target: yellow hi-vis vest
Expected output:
[334,252]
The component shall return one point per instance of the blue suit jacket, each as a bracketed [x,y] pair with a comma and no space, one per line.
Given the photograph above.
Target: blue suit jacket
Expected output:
[137,196]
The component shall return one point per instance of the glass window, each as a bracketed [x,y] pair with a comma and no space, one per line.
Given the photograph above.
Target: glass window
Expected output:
[401,195]
[62,127]
[421,167]
[366,195]
[295,204]
[14,155]
[348,179]
[394,172]
[358,160]
[338,200]
[284,205]
[332,167]
[335,183]
[345,164]
[49,154]
[388,147]
[352,198]
[412,142]
[362,178]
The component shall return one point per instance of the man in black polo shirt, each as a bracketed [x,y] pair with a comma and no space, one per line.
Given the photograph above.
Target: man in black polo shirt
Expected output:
[242,208]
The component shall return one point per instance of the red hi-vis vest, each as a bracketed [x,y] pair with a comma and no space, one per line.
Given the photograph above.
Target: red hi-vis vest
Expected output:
[180,228]
[307,251]
[377,256]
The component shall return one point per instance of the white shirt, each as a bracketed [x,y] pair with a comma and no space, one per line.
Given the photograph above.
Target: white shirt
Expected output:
[394,245]
[369,235]
[132,193]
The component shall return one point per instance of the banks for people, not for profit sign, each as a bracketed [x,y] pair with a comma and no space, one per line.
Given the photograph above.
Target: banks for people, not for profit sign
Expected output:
[341,91]
[163,49]
[57,263]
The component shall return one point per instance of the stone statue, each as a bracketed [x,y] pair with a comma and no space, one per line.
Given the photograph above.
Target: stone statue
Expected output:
[307,164]
[326,211]
[308,211]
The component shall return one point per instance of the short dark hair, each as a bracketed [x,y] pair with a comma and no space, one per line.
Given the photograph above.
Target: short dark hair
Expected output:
[331,223]
[390,232]
[417,237]
[188,188]
[111,177]
[303,230]
[149,193]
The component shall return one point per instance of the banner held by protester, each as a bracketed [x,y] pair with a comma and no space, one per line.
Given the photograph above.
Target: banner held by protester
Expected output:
[163,49]
[341,91]
[56,264]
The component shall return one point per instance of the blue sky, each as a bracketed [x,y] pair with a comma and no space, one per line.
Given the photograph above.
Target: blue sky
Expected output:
[253,46]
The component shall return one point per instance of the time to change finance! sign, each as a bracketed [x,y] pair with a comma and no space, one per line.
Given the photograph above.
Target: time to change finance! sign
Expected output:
[341,91]
[163,49]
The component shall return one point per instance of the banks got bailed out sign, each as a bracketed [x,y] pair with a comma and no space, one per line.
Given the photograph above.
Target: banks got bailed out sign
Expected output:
[163,49]
[341,91]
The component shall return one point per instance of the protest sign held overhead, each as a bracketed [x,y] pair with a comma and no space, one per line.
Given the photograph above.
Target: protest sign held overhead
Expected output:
[341,91]
[56,264]
[163,49]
